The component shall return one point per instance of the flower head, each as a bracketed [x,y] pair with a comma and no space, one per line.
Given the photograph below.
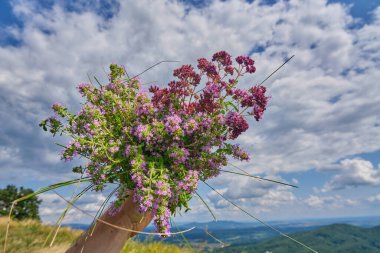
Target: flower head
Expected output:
[236,123]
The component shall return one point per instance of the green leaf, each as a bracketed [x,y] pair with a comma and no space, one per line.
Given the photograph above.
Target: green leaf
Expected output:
[231,104]
[51,187]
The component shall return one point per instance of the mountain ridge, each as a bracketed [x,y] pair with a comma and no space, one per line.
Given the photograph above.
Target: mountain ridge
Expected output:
[334,238]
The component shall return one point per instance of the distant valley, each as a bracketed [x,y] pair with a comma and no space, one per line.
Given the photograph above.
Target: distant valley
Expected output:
[337,238]
[356,234]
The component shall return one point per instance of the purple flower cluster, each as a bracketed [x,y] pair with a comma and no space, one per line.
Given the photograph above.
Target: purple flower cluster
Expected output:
[142,132]
[236,123]
[84,89]
[190,126]
[179,155]
[157,146]
[187,73]
[208,68]
[190,182]
[224,59]
[213,89]
[172,123]
[261,101]
[239,153]
[247,63]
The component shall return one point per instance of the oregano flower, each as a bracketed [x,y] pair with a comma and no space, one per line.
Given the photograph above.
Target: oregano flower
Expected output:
[159,143]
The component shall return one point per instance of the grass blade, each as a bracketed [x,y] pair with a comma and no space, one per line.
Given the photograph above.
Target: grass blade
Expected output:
[60,220]
[97,215]
[100,210]
[277,69]
[8,224]
[204,202]
[216,239]
[41,190]
[118,227]
[260,178]
[182,235]
[154,65]
[52,187]
[89,78]
[56,224]
[96,79]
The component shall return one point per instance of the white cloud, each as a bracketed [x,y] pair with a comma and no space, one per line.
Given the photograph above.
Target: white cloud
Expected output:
[8,154]
[375,198]
[354,172]
[301,130]
[258,196]
[324,104]
[53,206]
[328,202]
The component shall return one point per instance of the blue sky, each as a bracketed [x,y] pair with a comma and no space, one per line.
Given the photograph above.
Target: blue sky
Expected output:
[321,130]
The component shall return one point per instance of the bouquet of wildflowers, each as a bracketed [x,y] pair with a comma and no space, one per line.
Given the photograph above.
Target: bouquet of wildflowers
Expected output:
[157,146]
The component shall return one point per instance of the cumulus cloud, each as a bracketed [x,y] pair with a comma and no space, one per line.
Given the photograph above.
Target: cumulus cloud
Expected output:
[374,198]
[354,173]
[8,154]
[53,206]
[257,196]
[329,202]
[324,104]
[315,114]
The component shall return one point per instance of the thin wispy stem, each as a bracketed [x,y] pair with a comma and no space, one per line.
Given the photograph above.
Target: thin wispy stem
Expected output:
[118,227]
[204,202]
[216,239]
[96,79]
[158,63]
[259,178]
[100,210]
[41,190]
[89,79]
[73,199]
[182,235]
[60,219]
[8,224]
[97,215]
[282,65]
[259,220]
[150,82]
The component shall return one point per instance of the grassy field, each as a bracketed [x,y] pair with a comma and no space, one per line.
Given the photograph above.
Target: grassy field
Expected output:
[29,237]
[153,247]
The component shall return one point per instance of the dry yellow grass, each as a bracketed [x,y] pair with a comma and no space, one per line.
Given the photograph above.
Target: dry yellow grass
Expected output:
[29,236]
[55,249]
[153,247]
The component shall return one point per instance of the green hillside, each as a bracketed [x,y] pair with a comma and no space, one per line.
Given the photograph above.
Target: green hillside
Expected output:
[337,238]
[29,236]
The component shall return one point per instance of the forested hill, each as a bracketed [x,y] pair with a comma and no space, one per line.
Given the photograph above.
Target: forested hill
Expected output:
[336,238]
